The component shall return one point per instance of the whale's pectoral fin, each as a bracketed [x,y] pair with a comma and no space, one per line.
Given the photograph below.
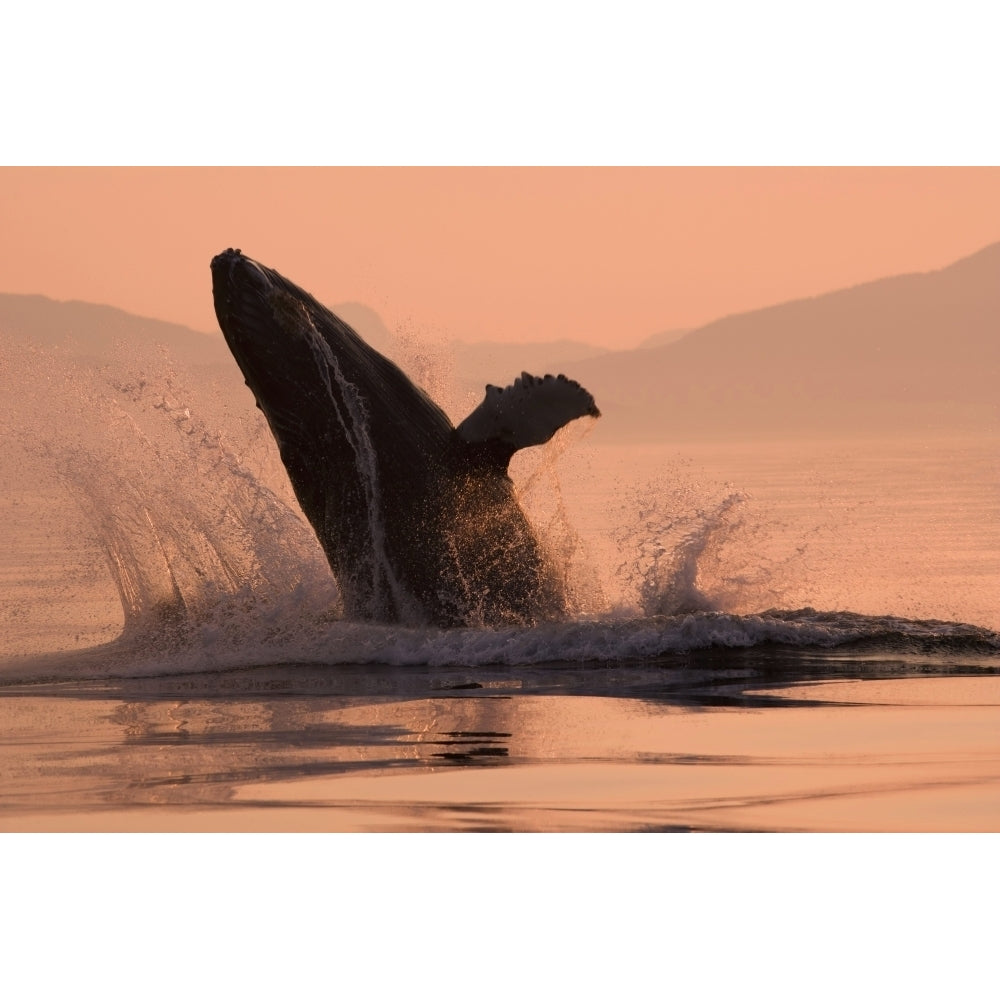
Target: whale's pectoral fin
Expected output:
[526,413]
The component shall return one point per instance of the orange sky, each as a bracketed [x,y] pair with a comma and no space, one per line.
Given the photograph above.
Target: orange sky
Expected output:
[604,255]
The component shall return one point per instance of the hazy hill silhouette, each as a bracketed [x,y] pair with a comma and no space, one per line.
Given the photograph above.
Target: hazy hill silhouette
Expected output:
[86,330]
[914,354]
[664,337]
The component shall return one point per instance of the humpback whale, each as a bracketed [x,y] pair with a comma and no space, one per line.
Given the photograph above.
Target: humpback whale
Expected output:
[418,518]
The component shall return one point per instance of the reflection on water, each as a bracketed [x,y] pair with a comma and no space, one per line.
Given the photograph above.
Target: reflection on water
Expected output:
[744,741]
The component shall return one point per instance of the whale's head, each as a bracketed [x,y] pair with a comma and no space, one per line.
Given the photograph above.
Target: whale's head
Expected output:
[243,292]
[266,322]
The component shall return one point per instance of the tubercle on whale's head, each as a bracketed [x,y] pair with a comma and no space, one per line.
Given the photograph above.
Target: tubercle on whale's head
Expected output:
[235,266]
[233,278]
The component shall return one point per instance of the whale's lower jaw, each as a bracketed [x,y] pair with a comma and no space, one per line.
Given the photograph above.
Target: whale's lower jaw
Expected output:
[419,525]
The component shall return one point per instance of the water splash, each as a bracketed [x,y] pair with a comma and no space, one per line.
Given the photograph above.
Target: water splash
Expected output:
[668,543]
[539,489]
[683,543]
[187,531]
[428,359]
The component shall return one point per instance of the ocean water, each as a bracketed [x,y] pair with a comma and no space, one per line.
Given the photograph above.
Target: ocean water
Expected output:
[779,636]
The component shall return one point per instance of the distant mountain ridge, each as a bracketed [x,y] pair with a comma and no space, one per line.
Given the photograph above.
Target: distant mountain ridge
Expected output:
[915,353]
[664,337]
[91,330]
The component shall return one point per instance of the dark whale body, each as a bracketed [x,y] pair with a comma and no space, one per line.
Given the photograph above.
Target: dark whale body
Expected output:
[418,519]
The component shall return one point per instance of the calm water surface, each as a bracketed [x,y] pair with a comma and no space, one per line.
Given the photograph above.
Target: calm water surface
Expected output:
[721,745]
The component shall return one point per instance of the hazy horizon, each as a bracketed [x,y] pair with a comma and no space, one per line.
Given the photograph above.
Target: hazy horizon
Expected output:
[608,257]
[912,354]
